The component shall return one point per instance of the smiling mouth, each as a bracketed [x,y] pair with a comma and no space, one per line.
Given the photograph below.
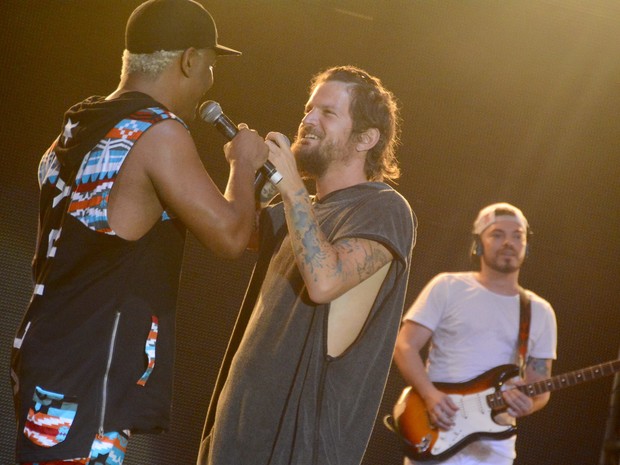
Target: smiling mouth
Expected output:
[307,138]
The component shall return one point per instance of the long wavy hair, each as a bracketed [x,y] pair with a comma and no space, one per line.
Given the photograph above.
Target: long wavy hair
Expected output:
[372,106]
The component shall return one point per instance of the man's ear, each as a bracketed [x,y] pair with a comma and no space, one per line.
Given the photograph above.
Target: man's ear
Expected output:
[367,140]
[187,60]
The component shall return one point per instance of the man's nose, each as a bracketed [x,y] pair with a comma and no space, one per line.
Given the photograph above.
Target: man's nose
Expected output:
[309,118]
[511,243]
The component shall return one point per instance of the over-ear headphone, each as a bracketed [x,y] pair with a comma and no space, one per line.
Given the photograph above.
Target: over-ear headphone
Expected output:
[476,247]
[527,244]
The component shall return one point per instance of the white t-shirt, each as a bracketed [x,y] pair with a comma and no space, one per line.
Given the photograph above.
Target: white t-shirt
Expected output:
[475,330]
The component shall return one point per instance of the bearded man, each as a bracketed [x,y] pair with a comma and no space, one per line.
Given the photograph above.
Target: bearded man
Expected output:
[327,293]
[475,323]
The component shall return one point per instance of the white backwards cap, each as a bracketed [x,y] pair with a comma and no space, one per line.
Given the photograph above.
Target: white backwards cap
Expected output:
[489,215]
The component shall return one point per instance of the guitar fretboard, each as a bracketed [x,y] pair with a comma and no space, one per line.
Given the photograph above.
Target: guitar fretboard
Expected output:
[496,401]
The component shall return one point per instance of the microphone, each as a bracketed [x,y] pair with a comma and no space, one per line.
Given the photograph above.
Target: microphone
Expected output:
[212,113]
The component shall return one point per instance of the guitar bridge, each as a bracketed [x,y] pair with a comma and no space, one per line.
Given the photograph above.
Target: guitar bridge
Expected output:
[424,444]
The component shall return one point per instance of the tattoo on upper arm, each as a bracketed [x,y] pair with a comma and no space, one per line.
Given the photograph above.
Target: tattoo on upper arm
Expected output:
[540,366]
[368,257]
[365,257]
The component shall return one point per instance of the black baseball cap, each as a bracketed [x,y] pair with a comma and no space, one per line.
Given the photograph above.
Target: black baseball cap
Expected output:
[172,25]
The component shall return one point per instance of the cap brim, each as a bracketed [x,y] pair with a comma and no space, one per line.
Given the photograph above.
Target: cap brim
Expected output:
[221,50]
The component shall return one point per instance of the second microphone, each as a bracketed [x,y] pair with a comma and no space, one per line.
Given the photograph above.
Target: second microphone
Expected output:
[212,113]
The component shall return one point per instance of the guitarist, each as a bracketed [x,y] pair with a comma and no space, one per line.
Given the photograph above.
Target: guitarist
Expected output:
[472,322]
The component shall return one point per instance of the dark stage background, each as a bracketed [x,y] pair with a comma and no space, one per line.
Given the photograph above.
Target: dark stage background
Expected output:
[512,100]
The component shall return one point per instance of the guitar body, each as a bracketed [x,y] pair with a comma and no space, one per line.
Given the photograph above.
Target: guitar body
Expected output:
[474,420]
[481,410]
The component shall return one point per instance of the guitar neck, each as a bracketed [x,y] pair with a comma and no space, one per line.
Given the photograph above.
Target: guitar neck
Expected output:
[496,401]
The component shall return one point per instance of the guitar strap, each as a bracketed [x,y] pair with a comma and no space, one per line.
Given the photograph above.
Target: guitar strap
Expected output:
[525,315]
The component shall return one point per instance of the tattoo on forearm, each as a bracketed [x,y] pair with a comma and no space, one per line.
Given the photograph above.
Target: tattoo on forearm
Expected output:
[539,366]
[304,226]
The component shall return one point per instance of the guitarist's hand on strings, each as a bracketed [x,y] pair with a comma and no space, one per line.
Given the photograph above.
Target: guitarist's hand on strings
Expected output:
[519,405]
[441,409]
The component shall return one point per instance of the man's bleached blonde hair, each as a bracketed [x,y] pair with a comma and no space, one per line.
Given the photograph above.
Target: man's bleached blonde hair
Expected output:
[150,64]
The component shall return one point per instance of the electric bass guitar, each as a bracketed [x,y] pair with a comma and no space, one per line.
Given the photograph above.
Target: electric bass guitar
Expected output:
[481,406]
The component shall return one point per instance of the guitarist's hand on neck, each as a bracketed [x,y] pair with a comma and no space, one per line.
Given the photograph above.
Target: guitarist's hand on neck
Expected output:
[519,405]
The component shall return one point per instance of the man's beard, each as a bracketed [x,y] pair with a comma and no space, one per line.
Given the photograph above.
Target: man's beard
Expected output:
[313,162]
[501,265]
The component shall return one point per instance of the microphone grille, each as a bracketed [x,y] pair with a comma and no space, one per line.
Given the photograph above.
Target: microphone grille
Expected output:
[210,111]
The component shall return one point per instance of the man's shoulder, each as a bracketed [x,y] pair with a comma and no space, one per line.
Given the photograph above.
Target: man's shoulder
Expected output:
[538,301]
[156,113]
[454,277]
[385,190]
[165,132]
[452,283]
[385,200]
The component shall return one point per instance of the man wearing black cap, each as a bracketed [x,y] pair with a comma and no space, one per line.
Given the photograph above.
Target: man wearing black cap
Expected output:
[92,359]
[476,322]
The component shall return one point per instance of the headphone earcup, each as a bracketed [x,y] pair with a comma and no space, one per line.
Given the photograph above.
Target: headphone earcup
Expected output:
[527,250]
[476,248]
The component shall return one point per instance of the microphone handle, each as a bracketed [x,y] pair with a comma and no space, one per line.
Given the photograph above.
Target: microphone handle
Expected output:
[226,126]
[229,130]
[271,173]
